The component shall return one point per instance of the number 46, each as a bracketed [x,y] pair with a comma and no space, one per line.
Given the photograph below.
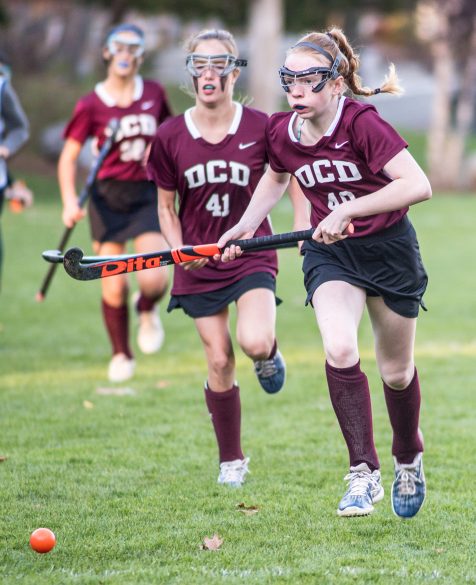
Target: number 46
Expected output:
[333,200]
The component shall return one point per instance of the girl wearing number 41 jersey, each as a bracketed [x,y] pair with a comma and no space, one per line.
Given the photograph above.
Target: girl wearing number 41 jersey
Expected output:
[123,203]
[212,157]
[353,167]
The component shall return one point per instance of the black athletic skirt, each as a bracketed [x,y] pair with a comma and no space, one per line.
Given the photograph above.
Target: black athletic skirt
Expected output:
[122,210]
[387,264]
[211,303]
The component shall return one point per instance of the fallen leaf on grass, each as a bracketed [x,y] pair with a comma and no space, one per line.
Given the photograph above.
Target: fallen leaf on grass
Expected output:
[213,543]
[3,458]
[125,391]
[247,510]
[88,404]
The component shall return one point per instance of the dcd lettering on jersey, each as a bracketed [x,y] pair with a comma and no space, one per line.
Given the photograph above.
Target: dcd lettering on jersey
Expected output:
[217,171]
[327,171]
[136,125]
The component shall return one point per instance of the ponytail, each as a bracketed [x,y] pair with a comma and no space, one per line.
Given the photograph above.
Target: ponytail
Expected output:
[334,41]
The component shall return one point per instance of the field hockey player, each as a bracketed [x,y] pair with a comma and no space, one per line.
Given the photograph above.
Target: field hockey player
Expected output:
[123,202]
[353,166]
[212,157]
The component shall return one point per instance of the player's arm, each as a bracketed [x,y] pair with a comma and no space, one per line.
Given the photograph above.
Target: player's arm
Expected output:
[171,227]
[301,208]
[168,218]
[268,192]
[67,167]
[409,185]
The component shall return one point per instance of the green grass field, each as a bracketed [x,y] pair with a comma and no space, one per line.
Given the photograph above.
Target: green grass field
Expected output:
[128,482]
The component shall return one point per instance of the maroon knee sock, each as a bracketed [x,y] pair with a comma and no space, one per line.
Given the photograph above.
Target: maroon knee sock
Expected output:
[350,397]
[146,304]
[404,412]
[116,320]
[225,412]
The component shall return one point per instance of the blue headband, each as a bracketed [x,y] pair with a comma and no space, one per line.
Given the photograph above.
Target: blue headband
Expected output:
[125,28]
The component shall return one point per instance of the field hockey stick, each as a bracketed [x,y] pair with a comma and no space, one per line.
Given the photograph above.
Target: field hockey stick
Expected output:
[79,270]
[57,257]
[113,127]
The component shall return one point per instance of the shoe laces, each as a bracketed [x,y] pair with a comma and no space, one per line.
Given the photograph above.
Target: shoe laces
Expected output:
[265,368]
[233,471]
[359,482]
[407,479]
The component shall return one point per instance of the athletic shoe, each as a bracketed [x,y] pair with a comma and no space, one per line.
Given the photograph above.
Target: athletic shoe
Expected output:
[409,487]
[233,473]
[121,368]
[365,488]
[150,336]
[271,373]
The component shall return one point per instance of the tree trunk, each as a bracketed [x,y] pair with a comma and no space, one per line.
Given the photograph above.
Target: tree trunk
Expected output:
[440,124]
[465,110]
[265,54]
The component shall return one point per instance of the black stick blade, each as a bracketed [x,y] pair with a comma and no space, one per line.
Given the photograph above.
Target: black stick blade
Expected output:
[72,263]
[53,256]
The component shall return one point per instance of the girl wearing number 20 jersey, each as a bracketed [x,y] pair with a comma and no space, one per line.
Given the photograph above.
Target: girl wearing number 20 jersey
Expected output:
[123,203]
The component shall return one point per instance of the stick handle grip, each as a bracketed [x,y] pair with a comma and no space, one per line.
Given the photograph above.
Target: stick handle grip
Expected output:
[276,239]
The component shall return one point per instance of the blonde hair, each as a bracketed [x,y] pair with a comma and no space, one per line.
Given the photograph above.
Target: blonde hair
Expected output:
[223,36]
[334,41]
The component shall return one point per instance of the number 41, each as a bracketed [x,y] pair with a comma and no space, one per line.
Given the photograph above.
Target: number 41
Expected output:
[217,207]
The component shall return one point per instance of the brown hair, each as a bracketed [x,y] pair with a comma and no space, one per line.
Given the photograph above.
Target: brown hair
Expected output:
[334,41]
[223,36]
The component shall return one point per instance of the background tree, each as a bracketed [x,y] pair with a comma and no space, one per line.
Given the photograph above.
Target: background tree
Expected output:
[449,28]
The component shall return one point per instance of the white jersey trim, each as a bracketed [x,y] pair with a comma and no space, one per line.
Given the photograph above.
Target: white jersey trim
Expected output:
[337,117]
[195,132]
[291,126]
[109,101]
[331,128]
[236,119]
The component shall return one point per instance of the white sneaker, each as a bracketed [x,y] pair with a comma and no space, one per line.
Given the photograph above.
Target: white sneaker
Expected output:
[121,368]
[233,473]
[364,490]
[150,336]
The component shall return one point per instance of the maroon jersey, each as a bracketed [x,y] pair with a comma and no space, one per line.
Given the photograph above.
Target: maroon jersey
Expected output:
[138,125]
[345,163]
[214,183]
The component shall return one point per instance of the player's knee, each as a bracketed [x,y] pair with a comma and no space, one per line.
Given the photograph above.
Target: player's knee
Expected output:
[342,354]
[257,348]
[221,363]
[397,376]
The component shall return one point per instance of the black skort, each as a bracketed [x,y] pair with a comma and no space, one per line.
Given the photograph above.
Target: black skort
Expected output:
[122,210]
[213,302]
[387,264]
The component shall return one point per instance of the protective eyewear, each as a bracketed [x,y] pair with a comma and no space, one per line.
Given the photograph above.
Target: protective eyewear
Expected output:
[117,44]
[314,77]
[222,65]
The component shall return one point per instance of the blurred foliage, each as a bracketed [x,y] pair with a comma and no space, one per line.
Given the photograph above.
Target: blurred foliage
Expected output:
[307,15]
[3,14]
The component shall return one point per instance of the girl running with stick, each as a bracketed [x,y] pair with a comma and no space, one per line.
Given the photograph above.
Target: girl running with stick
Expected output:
[353,167]
[213,157]
[123,203]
